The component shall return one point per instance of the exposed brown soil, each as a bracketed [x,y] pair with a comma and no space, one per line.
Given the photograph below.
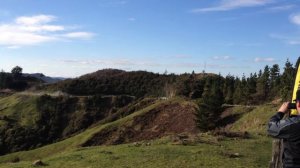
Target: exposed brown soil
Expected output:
[166,119]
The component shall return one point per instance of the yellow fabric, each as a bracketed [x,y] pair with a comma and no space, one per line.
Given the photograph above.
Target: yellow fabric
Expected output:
[296,87]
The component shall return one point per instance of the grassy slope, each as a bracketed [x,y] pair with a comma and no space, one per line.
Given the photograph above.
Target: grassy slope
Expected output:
[162,155]
[75,141]
[254,152]
[19,108]
[254,121]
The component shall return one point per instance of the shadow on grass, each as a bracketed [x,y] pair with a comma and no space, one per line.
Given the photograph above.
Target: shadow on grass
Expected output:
[229,119]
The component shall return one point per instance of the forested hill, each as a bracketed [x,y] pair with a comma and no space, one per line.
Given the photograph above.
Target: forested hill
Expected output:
[135,83]
[107,92]
[258,87]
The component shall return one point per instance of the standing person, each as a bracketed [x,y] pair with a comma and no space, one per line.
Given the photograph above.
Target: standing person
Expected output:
[289,130]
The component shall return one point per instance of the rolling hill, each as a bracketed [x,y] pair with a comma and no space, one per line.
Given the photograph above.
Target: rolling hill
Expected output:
[114,118]
[161,135]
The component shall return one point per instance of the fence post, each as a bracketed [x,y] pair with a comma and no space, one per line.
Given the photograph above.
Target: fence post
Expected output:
[277,147]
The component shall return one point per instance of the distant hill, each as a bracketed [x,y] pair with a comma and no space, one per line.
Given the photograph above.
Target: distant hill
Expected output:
[135,83]
[46,79]
[105,73]
[118,82]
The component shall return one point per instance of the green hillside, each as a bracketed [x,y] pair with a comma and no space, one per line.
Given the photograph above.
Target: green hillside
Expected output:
[222,154]
[204,150]
[72,142]
[20,108]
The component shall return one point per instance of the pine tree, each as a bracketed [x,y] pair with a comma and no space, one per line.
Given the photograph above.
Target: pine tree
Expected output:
[287,81]
[274,80]
[193,73]
[245,90]
[2,79]
[210,106]
[5,80]
[259,73]
[252,80]
[263,84]
[228,89]
[238,92]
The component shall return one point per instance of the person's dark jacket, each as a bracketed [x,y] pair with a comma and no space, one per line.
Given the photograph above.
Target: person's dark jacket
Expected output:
[289,130]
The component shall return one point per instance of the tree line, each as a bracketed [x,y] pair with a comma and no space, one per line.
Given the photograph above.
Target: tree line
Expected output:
[266,85]
[15,80]
[210,91]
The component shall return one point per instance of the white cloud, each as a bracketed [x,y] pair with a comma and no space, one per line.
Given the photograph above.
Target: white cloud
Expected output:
[295,18]
[34,30]
[112,3]
[112,62]
[281,8]
[79,35]
[137,64]
[35,20]
[222,58]
[13,47]
[179,57]
[50,28]
[291,40]
[281,37]
[23,38]
[226,5]
[260,59]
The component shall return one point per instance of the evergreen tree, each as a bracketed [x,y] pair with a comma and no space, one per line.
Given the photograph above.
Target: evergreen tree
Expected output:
[238,92]
[287,81]
[274,80]
[3,80]
[245,90]
[263,84]
[259,73]
[251,82]
[228,89]
[193,73]
[210,107]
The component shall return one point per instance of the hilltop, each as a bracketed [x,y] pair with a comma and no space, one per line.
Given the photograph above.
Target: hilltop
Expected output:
[44,78]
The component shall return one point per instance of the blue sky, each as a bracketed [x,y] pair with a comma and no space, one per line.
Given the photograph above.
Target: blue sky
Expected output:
[70,38]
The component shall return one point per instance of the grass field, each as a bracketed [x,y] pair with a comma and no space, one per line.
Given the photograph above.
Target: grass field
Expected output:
[19,108]
[254,152]
[211,151]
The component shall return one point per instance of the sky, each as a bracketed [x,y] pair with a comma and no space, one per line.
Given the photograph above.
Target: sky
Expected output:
[69,38]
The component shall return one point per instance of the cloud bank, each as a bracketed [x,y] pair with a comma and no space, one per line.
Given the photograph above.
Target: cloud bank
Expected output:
[34,30]
[295,18]
[226,5]
[222,58]
[259,59]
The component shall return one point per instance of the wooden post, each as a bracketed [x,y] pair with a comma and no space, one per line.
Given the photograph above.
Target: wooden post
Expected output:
[277,150]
